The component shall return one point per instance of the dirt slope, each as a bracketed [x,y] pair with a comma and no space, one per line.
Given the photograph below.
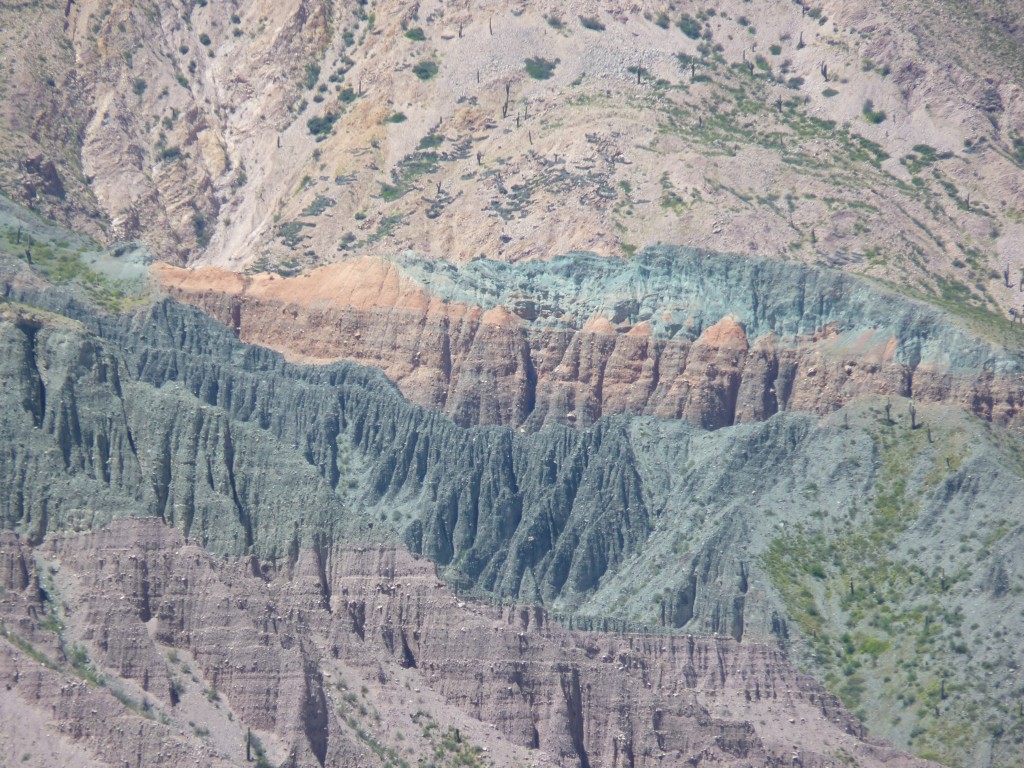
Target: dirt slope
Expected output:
[285,135]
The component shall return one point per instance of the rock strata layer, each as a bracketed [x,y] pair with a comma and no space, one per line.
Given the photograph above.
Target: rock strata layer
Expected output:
[283,646]
[675,333]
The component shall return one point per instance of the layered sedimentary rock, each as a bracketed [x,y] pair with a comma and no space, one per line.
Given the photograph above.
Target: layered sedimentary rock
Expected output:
[168,415]
[675,333]
[269,639]
[633,521]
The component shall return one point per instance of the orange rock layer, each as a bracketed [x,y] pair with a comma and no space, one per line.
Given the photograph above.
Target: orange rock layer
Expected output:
[489,366]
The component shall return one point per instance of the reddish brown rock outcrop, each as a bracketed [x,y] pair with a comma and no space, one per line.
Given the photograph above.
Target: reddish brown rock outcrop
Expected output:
[283,648]
[489,366]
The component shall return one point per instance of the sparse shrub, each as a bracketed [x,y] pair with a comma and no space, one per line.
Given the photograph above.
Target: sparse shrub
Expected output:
[431,140]
[539,68]
[662,20]
[311,76]
[872,115]
[200,228]
[689,26]
[321,126]
[555,22]
[139,86]
[425,69]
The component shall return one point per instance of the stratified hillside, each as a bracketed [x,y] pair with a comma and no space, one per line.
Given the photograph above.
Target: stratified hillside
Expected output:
[832,538]
[676,333]
[616,362]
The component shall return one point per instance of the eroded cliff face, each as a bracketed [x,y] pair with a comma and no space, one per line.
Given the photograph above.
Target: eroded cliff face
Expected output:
[285,648]
[764,531]
[712,339]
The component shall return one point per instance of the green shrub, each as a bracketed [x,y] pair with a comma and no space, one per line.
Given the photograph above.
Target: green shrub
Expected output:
[202,233]
[416,34]
[312,74]
[425,69]
[321,126]
[689,26]
[204,38]
[592,22]
[662,20]
[555,22]
[540,69]
[431,140]
[395,117]
[871,115]
[775,50]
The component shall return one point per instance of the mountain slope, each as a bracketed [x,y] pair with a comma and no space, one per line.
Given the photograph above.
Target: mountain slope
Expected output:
[677,333]
[286,135]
